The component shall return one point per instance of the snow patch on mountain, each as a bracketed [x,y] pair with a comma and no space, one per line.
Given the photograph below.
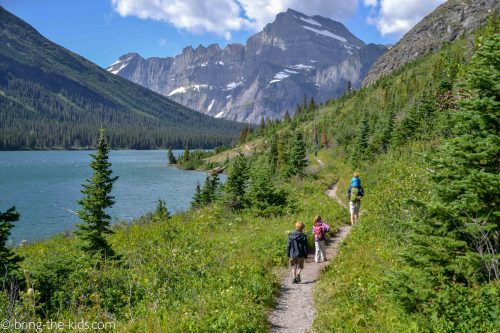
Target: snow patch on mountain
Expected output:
[301,66]
[233,85]
[119,69]
[311,21]
[211,104]
[326,33]
[182,90]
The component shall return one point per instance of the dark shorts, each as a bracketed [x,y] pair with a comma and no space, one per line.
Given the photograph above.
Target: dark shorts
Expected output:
[299,262]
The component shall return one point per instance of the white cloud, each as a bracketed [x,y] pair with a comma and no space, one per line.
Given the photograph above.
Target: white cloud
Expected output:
[225,16]
[196,16]
[397,17]
[262,12]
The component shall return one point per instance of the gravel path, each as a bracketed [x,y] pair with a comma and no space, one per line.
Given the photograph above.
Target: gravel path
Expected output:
[294,312]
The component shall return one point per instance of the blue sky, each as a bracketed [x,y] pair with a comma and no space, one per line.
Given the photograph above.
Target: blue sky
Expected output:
[103,30]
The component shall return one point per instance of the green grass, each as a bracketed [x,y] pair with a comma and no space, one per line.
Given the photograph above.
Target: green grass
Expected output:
[200,271]
[352,295]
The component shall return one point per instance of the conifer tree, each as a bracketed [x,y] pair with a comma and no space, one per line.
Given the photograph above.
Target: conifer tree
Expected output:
[197,199]
[9,268]
[161,211]
[97,199]
[286,119]
[171,157]
[311,108]
[362,140]
[210,190]
[262,125]
[262,194]
[236,184]
[459,235]
[298,160]
[243,135]
[283,155]
[273,154]
[388,131]
[185,156]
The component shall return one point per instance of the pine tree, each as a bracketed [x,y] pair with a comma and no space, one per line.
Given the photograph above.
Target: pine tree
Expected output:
[459,234]
[388,131]
[161,211]
[262,194]
[198,201]
[97,199]
[283,155]
[362,140]
[9,268]
[311,108]
[185,156]
[286,119]
[297,161]
[210,190]
[262,125]
[273,154]
[171,157]
[236,184]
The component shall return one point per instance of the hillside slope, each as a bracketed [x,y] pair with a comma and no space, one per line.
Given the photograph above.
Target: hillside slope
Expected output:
[450,21]
[53,98]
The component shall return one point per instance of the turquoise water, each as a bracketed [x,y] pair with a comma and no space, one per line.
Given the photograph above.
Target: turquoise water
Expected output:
[45,186]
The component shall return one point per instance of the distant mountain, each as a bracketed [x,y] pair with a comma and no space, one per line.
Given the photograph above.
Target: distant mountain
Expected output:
[293,58]
[53,98]
[448,22]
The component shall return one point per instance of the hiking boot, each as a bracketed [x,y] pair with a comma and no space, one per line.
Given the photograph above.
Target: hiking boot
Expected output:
[298,278]
[294,280]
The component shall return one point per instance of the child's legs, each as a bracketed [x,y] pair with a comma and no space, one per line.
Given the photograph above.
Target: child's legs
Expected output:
[293,265]
[300,265]
[322,249]
[317,256]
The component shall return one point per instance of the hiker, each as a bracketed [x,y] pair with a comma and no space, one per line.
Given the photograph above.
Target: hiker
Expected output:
[320,229]
[354,194]
[296,250]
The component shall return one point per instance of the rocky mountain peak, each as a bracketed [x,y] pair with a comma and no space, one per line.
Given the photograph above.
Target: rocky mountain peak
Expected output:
[294,56]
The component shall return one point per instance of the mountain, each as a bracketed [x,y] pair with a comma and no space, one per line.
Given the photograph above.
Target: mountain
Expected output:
[53,98]
[293,58]
[450,21]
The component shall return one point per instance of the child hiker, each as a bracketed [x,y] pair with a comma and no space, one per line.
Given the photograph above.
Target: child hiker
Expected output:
[296,250]
[319,230]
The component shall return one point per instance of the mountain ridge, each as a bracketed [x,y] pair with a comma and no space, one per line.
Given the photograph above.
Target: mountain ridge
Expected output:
[295,57]
[450,21]
[51,97]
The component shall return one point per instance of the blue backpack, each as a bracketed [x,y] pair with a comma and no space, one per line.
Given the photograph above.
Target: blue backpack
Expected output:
[355,182]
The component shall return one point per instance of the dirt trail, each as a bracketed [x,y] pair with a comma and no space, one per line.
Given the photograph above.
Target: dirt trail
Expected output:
[294,312]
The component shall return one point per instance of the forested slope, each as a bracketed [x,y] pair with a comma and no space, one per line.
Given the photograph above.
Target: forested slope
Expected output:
[53,98]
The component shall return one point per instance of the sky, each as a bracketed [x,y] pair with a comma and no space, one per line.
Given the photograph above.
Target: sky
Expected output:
[103,30]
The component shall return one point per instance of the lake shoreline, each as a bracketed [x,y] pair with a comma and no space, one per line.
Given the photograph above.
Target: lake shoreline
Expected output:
[45,187]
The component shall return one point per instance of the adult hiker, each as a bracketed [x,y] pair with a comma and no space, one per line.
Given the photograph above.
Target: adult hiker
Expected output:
[296,250]
[354,194]
[320,229]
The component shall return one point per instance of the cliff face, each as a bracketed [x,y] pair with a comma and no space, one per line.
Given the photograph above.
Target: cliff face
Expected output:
[448,22]
[294,57]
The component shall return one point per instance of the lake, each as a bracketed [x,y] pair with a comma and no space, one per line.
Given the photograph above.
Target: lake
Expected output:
[45,186]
